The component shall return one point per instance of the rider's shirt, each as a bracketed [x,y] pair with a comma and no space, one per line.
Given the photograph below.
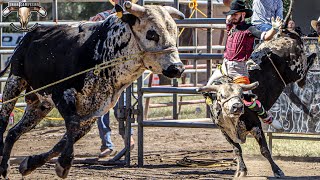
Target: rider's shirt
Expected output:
[240,41]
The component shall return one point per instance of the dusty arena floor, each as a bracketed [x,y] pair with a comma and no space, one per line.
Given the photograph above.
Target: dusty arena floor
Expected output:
[163,147]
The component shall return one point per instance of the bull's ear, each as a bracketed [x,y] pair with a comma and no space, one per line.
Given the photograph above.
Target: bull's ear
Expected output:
[129,18]
[119,10]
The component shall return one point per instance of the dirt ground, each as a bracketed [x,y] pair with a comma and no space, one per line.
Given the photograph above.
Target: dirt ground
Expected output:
[163,147]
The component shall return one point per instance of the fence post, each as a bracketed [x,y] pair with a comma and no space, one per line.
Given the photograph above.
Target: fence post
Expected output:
[55,10]
[128,123]
[209,49]
[140,122]
[175,113]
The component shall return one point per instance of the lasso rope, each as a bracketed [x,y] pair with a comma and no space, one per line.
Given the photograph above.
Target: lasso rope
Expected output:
[97,69]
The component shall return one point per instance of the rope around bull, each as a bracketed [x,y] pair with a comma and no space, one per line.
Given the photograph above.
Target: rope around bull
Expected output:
[97,69]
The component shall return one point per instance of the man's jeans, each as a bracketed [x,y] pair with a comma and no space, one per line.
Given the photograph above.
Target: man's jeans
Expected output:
[263,27]
[105,131]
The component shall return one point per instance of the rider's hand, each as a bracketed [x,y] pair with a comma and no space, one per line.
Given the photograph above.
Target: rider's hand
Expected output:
[228,19]
[276,24]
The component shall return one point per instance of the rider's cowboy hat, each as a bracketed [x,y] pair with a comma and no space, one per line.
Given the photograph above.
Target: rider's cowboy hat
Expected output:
[314,23]
[238,6]
[113,2]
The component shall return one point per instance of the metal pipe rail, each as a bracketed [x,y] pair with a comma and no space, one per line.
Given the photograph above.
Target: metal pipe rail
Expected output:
[18,104]
[171,90]
[202,21]
[193,48]
[178,124]
[6,51]
[201,56]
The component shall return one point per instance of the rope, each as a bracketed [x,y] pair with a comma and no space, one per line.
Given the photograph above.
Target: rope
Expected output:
[96,69]
[203,163]
[48,118]
[274,66]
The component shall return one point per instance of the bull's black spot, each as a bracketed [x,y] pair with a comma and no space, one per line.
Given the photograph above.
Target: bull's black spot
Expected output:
[152,36]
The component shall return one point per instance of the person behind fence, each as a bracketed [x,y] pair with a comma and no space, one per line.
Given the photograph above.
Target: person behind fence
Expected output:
[239,46]
[104,121]
[315,24]
[292,27]
[264,11]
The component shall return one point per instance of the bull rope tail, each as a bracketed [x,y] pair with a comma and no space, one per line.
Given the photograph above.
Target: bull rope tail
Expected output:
[96,69]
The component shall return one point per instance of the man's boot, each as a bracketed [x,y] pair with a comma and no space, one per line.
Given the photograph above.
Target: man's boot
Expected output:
[255,105]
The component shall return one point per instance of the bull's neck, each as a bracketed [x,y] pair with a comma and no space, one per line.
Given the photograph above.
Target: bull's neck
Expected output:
[270,84]
[115,41]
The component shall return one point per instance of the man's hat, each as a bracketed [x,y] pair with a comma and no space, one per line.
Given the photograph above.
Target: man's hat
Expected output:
[114,3]
[314,23]
[238,6]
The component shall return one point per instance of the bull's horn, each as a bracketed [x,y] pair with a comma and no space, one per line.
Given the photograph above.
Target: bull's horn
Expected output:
[208,88]
[175,13]
[134,9]
[248,87]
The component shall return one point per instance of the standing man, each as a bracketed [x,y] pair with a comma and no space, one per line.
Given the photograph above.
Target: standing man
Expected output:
[264,11]
[238,49]
[315,24]
[104,121]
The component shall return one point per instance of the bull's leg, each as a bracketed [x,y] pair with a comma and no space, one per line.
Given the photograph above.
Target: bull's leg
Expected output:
[14,86]
[30,163]
[68,109]
[259,136]
[34,113]
[241,166]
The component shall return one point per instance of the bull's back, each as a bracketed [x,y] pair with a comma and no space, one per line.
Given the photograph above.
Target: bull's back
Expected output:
[49,54]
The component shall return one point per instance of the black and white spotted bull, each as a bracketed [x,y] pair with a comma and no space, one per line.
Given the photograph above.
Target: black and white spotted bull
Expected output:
[282,61]
[229,104]
[49,54]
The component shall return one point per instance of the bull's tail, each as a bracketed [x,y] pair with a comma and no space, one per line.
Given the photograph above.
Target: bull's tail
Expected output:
[5,69]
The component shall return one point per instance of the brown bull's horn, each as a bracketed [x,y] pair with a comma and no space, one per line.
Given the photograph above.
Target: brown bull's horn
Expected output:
[208,88]
[175,13]
[134,9]
[248,87]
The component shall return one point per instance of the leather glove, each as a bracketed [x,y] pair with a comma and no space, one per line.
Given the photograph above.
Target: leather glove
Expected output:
[276,24]
[251,65]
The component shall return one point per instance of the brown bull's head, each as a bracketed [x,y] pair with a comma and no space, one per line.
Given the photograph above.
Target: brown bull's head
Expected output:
[229,102]
[156,33]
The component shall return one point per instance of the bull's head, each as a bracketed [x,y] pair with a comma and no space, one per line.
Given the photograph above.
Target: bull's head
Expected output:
[156,33]
[229,96]
[24,14]
[230,103]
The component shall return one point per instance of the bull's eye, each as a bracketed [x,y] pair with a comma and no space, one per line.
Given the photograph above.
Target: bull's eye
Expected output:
[152,36]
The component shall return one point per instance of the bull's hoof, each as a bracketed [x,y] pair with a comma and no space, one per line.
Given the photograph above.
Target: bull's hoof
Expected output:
[240,174]
[279,174]
[23,168]
[4,172]
[62,172]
